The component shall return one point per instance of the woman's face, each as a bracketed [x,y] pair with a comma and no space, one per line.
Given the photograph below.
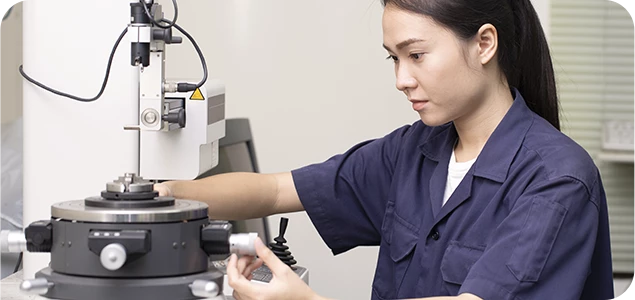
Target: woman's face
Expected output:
[440,74]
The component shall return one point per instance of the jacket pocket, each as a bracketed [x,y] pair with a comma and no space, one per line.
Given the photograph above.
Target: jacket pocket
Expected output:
[395,256]
[457,261]
[536,239]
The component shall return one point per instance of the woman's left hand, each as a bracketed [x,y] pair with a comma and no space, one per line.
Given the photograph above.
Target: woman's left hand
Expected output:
[285,284]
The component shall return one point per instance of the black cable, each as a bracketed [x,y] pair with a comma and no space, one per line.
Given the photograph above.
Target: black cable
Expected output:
[103,86]
[198,50]
[170,23]
[182,87]
[17,266]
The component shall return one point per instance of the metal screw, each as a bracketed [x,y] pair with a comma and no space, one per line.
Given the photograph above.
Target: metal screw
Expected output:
[183,244]
[69,243]
[63,244]
[175,245]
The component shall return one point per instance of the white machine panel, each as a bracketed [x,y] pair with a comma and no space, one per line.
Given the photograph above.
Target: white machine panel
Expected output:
[185,153]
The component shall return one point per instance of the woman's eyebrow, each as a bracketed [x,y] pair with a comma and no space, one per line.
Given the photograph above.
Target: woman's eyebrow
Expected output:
[405,43]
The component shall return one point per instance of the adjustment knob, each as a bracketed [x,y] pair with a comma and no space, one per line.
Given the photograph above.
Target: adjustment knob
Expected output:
[12,241]
[204,288]
[113,257]
[243,243]
[176,117]
[38,286]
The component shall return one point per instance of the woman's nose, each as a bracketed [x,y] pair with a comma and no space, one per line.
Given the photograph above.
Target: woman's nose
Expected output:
[405,81]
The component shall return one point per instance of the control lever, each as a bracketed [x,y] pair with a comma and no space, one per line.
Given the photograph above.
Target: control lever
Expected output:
[279,248]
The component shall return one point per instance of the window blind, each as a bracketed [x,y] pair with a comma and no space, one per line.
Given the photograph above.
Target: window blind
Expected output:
[592,49]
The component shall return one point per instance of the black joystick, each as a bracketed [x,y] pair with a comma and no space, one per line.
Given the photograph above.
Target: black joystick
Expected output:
[279,248]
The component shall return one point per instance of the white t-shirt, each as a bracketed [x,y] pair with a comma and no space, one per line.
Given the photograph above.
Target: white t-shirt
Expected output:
[456,172]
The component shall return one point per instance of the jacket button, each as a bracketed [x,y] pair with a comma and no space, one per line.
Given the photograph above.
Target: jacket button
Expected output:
[435,235]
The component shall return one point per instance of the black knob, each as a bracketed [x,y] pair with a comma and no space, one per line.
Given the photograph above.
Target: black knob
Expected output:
[176,117]
[39,236]
[176,40]
[279,248]
[165,34]
[215,238]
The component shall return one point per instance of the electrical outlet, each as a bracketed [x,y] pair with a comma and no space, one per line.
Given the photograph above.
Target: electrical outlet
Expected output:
[618,135]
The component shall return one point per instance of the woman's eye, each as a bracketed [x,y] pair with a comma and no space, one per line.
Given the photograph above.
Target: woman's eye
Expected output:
[416,56]
[394,58]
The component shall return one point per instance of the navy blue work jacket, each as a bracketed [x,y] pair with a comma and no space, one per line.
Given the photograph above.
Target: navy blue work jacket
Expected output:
[528,221]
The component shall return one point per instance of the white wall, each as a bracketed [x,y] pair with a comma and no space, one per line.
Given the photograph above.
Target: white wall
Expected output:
[11,36]
[312,78]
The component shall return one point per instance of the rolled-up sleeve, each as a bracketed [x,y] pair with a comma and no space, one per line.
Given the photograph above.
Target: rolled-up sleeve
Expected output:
[345,196]
[543,249]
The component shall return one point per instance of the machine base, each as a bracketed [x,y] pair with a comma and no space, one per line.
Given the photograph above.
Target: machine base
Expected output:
[168,288]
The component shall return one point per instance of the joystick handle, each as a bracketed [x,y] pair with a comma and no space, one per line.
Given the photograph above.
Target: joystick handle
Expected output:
[284,222]
[279,248]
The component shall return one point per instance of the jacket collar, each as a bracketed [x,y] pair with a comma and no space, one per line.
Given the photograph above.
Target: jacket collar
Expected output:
[500,149]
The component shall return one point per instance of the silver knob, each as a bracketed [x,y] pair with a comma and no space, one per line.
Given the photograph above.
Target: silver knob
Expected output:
[12,241]
[38,286]
[113,256]
[243,243]
[204,288]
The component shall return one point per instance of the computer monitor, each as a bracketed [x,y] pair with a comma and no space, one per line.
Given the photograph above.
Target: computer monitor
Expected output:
[236,154]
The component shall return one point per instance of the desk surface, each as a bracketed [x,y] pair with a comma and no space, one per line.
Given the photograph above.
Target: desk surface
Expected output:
[11,288]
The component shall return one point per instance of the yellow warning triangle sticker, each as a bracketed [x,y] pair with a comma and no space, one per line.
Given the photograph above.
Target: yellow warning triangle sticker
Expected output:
[197,95]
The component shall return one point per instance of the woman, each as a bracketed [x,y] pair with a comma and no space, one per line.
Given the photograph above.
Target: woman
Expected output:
[483,198]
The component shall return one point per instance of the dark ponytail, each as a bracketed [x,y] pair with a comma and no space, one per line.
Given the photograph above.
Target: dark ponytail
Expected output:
[523,52]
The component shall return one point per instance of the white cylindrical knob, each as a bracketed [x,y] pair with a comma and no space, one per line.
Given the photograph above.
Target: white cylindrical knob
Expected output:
[243,243]
[12,241]
[204,288]
[38,286]
[113,256]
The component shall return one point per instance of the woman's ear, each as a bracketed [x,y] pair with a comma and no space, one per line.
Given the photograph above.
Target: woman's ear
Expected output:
[487,41]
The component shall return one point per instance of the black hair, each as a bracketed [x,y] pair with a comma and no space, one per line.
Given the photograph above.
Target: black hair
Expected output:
[523,52]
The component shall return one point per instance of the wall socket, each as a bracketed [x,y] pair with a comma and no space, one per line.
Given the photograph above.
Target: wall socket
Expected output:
[618,135]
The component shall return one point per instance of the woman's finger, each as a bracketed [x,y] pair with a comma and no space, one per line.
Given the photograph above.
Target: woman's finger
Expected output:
[234,277]
[252,267]
[273,262]
[243,263]
[242,287]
